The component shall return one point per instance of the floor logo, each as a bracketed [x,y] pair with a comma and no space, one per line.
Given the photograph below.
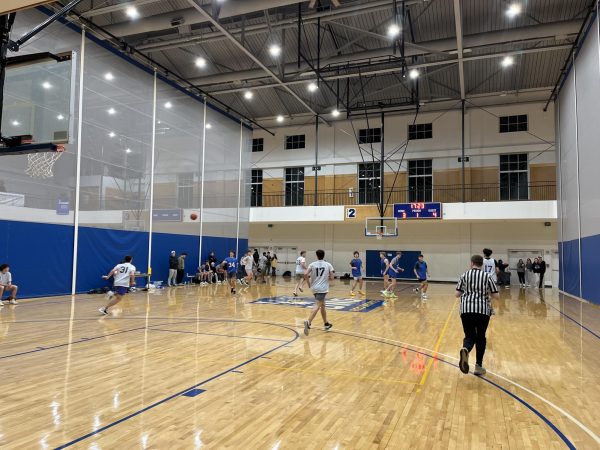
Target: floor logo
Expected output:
[336,304]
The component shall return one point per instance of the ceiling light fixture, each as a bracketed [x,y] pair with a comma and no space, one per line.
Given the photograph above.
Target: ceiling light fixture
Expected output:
[414,74]
[60,117]
[335,113]
[109,76]
[128,150]
[46,85]
[168,105]
[200,62]
[275,50]
[132,12]
[508,61]
[393,30]
[514,10]
[208,126]
[111,134]
[280,119]
[112,111]
[248,95]
[312,87]
[15,123]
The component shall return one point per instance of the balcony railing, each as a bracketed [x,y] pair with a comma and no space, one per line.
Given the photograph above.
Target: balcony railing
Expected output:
[486,192]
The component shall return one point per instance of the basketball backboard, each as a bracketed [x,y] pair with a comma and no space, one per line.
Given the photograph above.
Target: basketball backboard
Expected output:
[7,6]
[381,227]
[39,99]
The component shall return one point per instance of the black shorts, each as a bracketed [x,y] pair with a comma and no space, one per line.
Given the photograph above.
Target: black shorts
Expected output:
[422,280]
[230,275]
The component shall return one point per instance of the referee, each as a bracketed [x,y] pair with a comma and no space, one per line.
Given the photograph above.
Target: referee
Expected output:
[475,288]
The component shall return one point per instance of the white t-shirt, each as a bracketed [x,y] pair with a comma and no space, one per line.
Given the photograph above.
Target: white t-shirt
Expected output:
[262,261]
[300,263]
[319,276]
[247,262]
[123,274]
[489,266]
[5,278]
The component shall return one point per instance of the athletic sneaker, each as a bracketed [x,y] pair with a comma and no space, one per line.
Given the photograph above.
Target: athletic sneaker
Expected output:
[352,293]
[361,293]
[306,327]
[479,370]
[13,301]
[416,290]
[103,311]
[300,289]
[393,295]
[384,293]
[424,296]
[327,326]
[233,291]
[295,295]
[464,360]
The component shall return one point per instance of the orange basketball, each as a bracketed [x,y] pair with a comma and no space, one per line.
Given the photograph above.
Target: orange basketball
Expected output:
[193,216]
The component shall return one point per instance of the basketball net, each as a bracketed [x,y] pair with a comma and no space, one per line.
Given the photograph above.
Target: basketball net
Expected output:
[40,165]
[380,235]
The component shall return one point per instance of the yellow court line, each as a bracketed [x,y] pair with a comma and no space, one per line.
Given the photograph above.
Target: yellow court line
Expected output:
[437,347]
[333,373]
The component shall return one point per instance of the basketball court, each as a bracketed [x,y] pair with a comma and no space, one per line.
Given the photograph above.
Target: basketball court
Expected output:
[147,146]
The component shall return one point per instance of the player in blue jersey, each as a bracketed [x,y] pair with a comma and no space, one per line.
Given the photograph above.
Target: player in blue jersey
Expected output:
[422,274]
[231,264]
[385,268]
[356,266]
[394,273]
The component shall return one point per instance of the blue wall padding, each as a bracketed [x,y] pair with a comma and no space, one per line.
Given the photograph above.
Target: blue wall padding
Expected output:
[373,263]
[590,251]
[41,255]
[570,267]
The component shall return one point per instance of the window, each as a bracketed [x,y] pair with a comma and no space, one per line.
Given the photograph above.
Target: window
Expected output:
[512,124]
[258,145]
[294,186]
[420,180]
[295,142]
[369,136]
[185,190]
[420,131]
[513,177]
[256,188]
[369,183]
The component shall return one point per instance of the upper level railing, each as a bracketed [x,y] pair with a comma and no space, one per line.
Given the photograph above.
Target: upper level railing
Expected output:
[485,192]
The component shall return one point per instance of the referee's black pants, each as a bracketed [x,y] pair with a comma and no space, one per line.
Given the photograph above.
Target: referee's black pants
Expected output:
[475,325]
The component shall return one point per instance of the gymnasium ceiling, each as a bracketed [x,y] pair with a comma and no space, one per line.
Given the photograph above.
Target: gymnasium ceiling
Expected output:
[457,46]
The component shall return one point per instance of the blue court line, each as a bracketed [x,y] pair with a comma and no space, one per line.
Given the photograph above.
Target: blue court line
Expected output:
[217,334]
[597,336]
[180,393]
[553,427]
[84,339]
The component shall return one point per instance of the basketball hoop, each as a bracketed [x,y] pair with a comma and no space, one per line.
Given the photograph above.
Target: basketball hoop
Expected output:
[380,235]
[40,165]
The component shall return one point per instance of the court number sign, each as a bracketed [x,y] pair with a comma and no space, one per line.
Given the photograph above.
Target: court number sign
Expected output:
[350,213]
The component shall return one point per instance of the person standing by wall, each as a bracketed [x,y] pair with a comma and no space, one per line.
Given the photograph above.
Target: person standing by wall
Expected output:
[181,267]
[542,264]
[536,271]
[274,265]
[528,272]
[521,268]
[474,288]
[172,280]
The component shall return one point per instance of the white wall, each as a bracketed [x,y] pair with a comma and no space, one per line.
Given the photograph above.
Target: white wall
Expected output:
[338,144]
[447,246]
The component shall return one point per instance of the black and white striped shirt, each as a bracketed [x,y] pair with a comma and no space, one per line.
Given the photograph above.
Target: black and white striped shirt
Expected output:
[476,287]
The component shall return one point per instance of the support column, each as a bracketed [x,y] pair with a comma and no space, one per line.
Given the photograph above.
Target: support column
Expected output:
[152,159]
[382,168]
[462,154]
[316,169]
[202,182]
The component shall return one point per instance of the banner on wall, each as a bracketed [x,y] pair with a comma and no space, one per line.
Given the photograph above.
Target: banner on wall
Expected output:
[167,215]
[62,207]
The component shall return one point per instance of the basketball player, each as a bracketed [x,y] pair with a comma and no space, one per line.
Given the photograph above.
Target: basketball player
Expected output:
[490,265]
[6,285]
[385,267]
[317,277]
[356,265]
[231,263]
[475,288]
[422,273]
[124,277]
[247,262]
[394,273]
[300,272]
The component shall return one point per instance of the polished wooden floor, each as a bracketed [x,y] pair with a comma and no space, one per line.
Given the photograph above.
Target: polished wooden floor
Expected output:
[194,367]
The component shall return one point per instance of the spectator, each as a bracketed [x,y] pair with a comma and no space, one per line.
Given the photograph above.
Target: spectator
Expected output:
[542,264]
[262,267]
[181,267]
[536,271]
[7,286]
[521,268]
[172,280]
[274,265]
[256,257]
[529,272]
[503,277]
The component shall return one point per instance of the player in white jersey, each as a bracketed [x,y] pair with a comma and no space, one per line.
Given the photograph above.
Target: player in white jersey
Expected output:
[317,277]
[247,261]
[300,272]
[124,277]
[489,264]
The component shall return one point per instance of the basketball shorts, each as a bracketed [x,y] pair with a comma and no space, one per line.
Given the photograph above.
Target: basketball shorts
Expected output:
[299,276]
[356,277]
[320,296]
[230,275]
[422,280]
[120,290]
